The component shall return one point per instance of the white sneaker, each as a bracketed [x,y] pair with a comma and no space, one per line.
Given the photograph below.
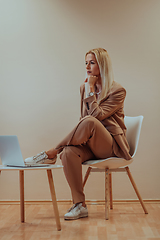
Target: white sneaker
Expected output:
[76,211]
[40,158]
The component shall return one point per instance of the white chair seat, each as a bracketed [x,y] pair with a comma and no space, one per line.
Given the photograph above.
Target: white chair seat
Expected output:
[110,163]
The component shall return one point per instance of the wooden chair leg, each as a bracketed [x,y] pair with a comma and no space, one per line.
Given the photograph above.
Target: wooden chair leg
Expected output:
[54,201]
[107,194]
[136,190]
[21,181]
[86,176]
[110,188]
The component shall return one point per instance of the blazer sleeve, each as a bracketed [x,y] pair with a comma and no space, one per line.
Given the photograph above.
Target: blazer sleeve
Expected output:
[108,106]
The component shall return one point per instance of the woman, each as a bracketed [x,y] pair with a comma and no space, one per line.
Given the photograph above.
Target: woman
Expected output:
[100,132]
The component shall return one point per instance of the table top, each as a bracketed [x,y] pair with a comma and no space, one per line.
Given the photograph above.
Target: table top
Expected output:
[49,166]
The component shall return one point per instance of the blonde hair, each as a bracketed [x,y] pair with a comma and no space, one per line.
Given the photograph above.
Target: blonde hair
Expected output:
[106,71]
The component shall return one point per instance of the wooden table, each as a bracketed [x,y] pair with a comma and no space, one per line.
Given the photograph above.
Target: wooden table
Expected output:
[51,185]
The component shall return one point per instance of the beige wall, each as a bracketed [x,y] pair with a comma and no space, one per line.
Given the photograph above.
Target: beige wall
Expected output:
[42,47]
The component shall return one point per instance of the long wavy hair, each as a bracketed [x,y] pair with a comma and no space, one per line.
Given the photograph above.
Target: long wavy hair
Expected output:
[106,71]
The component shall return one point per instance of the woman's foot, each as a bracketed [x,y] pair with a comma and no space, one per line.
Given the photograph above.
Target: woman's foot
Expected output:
[40,158]
[51,153]
[76,211]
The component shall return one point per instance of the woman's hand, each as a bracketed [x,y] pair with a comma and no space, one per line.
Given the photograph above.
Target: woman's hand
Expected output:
[92,80]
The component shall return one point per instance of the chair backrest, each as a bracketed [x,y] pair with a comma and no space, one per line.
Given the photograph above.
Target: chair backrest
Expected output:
[133,125]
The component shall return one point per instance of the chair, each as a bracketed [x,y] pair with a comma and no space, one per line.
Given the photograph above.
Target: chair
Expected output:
[110,165]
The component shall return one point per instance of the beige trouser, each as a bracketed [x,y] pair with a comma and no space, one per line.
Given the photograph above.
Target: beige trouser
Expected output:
[88,140]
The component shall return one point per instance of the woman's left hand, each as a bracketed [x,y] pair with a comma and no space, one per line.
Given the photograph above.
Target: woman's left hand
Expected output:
[92,80]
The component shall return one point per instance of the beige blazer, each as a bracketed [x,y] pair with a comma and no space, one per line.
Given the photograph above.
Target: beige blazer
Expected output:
[111,114]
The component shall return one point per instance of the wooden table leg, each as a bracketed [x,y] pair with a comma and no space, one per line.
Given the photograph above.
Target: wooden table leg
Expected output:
[107,194]
[21,178]
[54,201]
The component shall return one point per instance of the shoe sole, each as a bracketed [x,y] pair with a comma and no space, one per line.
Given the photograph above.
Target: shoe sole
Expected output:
[46,161]
[75,218]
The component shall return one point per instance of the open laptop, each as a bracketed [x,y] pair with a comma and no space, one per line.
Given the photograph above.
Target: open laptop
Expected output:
[10,153]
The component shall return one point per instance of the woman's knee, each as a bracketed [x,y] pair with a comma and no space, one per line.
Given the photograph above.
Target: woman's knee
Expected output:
[89,120]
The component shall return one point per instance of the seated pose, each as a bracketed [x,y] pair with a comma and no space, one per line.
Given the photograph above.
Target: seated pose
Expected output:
[100,133]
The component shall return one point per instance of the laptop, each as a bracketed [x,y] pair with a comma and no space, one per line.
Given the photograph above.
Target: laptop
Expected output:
[10,153]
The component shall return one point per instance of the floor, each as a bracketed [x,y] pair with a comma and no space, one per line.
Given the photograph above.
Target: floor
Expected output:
[127,222]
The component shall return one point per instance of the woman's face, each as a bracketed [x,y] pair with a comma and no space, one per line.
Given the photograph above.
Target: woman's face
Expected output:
[92,65]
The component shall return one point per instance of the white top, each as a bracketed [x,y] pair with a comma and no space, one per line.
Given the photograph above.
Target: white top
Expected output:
[2,167]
